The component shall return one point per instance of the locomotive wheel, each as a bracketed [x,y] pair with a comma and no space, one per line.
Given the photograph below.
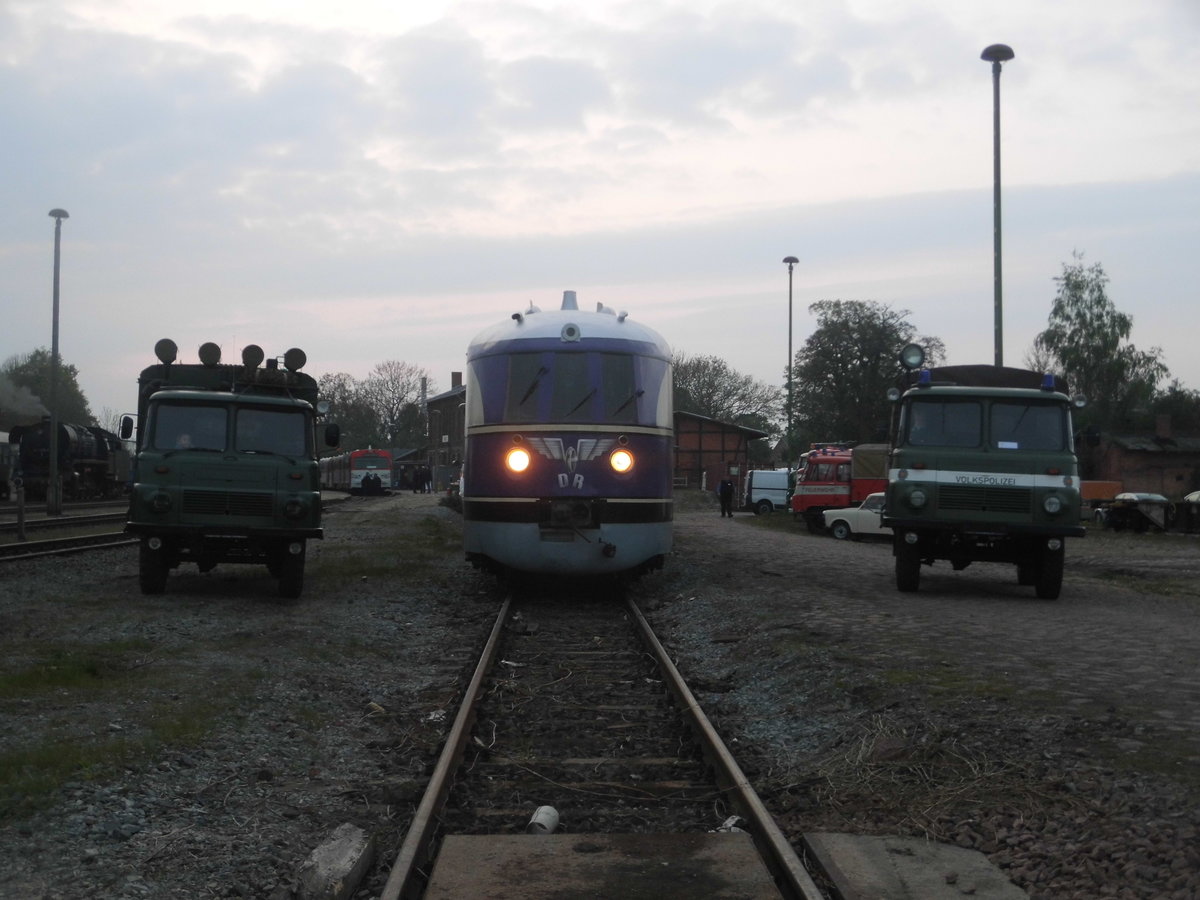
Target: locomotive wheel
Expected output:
[291,573]
[152,569]
[1049,575]
[908,565]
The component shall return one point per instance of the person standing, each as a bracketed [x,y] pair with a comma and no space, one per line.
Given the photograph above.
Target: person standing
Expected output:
[725,493]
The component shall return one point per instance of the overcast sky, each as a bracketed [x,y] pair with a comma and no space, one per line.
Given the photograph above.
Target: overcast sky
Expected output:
[369,183]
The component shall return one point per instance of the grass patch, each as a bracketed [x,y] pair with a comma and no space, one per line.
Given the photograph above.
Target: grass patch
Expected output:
[31,776]
[77,668]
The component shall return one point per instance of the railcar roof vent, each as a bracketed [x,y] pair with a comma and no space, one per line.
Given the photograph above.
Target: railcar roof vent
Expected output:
[569,301]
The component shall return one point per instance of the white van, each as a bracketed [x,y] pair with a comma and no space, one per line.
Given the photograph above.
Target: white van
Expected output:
[766,490]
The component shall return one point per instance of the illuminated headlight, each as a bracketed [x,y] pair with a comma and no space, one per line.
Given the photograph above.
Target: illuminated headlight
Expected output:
[621,460]
[517,459]
[917,499]
[294,509]
[1052,504]
[160,501]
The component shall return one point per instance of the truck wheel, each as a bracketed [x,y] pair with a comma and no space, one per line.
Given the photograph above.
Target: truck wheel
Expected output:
[840,530]
[1049,575]
[762,507]
[291,574]
[152,569]
[908,565]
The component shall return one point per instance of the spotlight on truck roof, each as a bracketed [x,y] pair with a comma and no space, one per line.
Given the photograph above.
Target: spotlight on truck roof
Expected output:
[210,354]
[252,356]
[166,351]
[912,356]
[294,359]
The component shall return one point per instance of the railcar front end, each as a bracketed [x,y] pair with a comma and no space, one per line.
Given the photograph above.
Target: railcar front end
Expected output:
[569,445]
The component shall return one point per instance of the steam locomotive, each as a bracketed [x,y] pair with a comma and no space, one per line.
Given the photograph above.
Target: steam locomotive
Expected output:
[92,463]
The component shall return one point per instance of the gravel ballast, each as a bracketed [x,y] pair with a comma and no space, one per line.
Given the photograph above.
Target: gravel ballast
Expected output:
[205,742]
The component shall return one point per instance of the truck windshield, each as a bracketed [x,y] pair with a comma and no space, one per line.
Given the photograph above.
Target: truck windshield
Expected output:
[271,431]
[1018,425]
[187,426]
[942,423]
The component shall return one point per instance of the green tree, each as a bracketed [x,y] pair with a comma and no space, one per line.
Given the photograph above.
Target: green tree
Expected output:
[351,410]
[707,386]
[1088,339]
[843,371]
[25,391]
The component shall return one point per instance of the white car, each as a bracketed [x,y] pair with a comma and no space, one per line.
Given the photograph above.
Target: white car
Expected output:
[857,521]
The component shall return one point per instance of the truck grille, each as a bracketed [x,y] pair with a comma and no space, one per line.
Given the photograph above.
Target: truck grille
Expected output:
[985,499]
[224,503]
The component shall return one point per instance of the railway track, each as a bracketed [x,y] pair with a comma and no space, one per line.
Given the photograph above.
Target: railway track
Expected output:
[19,550]
[577,722]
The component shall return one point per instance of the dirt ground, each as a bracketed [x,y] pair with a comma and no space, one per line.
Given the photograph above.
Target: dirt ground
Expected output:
[202,743]
[1062,737]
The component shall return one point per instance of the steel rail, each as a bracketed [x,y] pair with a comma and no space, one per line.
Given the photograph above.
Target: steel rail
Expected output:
[414,852]
[61,522]
[20,550]
[790,875]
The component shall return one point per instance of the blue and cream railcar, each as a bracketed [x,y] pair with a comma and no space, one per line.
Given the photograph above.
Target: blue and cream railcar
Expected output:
[569,444]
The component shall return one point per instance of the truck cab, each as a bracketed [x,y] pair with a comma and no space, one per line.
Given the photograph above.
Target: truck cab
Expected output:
[983,472]
[225,469]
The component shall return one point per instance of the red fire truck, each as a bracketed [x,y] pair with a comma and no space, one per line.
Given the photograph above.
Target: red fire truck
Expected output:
[837,477]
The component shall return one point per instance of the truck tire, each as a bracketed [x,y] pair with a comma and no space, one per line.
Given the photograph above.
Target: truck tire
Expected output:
[291,573]
[762,507]
[1049,575]
[908,565]
[152,569]
[840,530]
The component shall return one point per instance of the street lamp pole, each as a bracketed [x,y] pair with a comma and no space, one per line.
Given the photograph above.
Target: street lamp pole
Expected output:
[791,261]
[997,54]
[53,488]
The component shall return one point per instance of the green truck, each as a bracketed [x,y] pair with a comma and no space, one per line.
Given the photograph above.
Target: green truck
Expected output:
[983,468]
[225,469]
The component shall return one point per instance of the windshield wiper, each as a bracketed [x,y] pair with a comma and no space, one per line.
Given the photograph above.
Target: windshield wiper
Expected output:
[628,400]
[286,456]
[542,370]
[175,450]
[586,398]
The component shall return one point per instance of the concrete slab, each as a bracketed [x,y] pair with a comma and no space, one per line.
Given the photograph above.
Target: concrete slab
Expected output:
[622,866]
[903,868]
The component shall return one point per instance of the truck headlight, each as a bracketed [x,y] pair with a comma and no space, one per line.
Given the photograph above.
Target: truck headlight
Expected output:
[917,498]
[1052,504]
[160,502]
[294,509]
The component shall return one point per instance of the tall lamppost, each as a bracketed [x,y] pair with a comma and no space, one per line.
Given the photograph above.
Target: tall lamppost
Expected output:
[791,261]
[53,488]
[997,54]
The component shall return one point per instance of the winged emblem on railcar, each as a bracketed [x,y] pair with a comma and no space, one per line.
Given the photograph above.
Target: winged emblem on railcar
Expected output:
[583,450]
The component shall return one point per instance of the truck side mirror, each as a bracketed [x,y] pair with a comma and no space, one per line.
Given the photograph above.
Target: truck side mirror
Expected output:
[333,434]
[126,431]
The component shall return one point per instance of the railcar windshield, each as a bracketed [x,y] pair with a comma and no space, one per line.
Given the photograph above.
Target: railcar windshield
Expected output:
[1018,425]
[281,431]
[188,426]
[932,422]
[584,386]
[370,461]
